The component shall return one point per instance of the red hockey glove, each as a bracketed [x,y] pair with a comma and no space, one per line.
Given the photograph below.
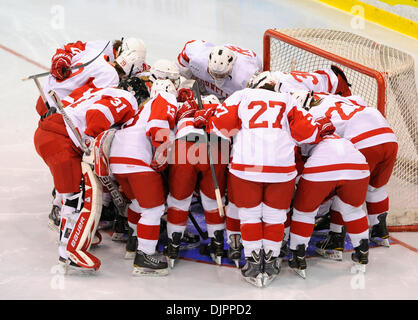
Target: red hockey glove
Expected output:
[160,160]
[187,110]
[185,94]
[61,62]
[201,117]
[325,126]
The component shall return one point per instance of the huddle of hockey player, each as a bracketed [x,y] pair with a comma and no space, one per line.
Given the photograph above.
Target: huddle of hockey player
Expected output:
[280,149]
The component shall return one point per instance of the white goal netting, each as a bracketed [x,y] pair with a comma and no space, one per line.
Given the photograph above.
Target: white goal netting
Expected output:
[383,76]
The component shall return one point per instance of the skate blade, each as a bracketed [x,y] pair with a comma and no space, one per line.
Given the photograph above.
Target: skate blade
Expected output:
[189,246]
[381,242]
[358,268]
[301,273]
[330,254]
[236,261]
[216,259]
[257,281]
[171,262]
[130,255]
[120,237]
[146,272]
[73,269]
[268,279]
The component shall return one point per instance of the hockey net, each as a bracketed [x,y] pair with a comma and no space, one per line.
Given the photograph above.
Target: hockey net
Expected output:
[383,76]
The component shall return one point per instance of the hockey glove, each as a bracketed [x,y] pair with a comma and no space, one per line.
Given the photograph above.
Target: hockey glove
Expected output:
[185,94]
[201,117]
[325,126]
[187,110]
[61,63]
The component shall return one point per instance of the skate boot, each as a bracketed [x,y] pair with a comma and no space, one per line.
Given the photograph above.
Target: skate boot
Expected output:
[131,244]
[271,268]
[360,256]
[379,233]
[322,223]
[120,229]
[216,247]
[298,260]
[54,218]
[284,252]
[150,264]
[189,241]
[173,248]
[252,271]
[235,248]
[333,246]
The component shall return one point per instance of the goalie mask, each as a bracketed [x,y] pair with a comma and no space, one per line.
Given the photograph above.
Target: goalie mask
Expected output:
[163,85]
[165,69]
[137,87]
[221,62]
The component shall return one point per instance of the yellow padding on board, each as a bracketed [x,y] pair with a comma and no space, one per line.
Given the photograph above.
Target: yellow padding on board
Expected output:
[412,3]
[377,15]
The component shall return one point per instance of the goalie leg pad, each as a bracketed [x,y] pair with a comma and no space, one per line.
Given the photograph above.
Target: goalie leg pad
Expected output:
[85,228]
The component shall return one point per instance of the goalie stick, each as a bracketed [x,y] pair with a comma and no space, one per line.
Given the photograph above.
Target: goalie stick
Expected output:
[43,74]
[196,90]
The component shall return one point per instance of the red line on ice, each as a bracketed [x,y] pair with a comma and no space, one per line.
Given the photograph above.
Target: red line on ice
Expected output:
[23,57]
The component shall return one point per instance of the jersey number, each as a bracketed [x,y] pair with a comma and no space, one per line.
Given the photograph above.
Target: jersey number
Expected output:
[304,75]
[340,111]
[253,123]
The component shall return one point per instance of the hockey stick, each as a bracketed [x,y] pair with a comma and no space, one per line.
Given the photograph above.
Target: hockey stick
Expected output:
[203,235]
[43,74]
[195,89]
[70,124]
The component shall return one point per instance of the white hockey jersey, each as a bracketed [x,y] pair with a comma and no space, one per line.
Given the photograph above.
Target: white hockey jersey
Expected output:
[364,126]
[333,159]
[133,146]
[265,127]
[97,111]
[194,59]
[100,72]
[323,80]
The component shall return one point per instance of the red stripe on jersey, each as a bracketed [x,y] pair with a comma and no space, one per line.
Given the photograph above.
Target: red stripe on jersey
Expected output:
[273,232]
[335,167]
[370,133]
[265,169]
[128,161]
[252,231]
[357,226]
[148,232]
[185,124]
[377,207]
[328,77]
[177,217]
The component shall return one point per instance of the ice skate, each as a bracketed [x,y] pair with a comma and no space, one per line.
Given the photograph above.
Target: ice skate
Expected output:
[70,267]
[172,248]
[120,229]
[252,270]
[271,268]
[379,233]
[284,252]
[298,260]
[131,244]
[216,247]
[360,256]
[54,218]
[322,224]
[189,241]
[333,246]
[235,248]
[150,264]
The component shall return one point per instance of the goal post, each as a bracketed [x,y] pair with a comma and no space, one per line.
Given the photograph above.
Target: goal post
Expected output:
[383,76]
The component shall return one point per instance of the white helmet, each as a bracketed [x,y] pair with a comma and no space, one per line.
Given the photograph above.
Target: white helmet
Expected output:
[163,85]
[303,98]
[165,69]
[133,44]
[259,79]
[221,62]
[210,99]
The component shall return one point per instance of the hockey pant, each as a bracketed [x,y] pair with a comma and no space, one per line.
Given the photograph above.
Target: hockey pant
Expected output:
[349,198]
[262,211]
[146,192]
[183,178]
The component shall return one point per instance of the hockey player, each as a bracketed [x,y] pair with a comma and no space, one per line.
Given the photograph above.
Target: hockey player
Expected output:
[219,70]
[262,177]
[56,142]
[138,153]
[371,134]
[334,166]
[116,61]
[190,159]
